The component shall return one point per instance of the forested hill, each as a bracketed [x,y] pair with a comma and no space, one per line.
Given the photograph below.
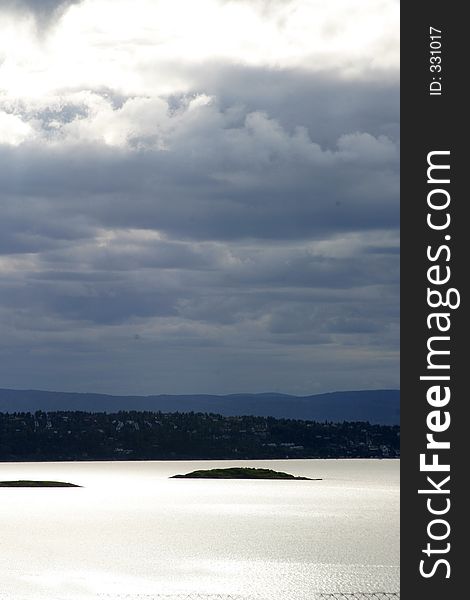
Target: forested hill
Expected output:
[374,406]
[54,436]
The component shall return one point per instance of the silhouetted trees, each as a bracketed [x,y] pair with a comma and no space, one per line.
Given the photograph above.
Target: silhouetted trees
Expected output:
[133,435]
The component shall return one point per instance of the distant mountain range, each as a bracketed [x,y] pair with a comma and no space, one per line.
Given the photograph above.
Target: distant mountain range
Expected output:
[375,406]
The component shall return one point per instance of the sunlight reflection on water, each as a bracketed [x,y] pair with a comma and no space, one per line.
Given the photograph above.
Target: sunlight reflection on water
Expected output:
[131,532]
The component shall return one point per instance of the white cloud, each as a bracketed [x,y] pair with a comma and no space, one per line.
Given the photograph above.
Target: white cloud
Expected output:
[13,130]
[148,46]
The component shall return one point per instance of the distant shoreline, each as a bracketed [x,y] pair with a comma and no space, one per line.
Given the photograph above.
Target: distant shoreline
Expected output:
[186,460]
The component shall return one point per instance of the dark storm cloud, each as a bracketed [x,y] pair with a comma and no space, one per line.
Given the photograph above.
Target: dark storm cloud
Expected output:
[281,290]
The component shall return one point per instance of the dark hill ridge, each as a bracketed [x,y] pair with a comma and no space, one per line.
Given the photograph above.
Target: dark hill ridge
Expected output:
[375,406]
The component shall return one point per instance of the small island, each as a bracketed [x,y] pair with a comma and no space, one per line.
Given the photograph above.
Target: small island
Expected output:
[37,484]
[240,473]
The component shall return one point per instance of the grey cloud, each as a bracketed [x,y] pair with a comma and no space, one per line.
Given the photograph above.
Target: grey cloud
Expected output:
[105,302]
[20,243]
[217,181]
[191,255]
[302,318]
[355,325]
[273,287]
[111,306]
[87,276]
[326,105]
[300,269]
[44,11]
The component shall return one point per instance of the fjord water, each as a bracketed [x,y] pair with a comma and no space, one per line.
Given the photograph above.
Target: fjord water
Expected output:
[131,532]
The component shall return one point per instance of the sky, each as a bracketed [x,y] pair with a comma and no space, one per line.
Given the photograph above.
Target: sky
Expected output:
[199,197]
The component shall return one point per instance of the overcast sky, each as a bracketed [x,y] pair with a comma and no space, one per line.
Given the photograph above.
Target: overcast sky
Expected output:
[199,197]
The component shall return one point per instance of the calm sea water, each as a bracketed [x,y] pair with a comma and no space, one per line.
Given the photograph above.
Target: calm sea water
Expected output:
[133,533]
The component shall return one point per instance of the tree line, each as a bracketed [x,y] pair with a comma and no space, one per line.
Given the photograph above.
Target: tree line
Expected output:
[132,435]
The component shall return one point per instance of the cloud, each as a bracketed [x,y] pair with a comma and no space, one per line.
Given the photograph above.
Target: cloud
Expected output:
[44,11]
[202,171]
[195,223]
[155,46]
[13,129]
[177,221]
